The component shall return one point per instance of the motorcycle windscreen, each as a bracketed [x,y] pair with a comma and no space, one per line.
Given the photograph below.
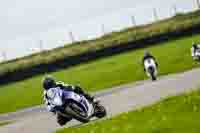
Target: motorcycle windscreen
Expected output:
[55,96]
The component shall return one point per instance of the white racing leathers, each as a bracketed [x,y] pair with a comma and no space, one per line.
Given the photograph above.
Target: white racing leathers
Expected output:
[150,68]
[195,53]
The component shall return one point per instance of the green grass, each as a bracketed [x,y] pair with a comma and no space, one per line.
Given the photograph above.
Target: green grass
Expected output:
[179,114]
[5,123]
[173,56]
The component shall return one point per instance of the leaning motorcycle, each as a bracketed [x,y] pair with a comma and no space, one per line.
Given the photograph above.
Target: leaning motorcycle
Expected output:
[150,68]
[70,104]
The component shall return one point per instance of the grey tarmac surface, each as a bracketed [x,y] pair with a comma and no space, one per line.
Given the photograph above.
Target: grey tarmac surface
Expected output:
[116,100]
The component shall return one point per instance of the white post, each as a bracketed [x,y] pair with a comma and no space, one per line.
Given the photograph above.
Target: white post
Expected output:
[4,56]
[103,29]
[71,36]
[175,10]
[155,14]
[198,4]
[41,45]
[133,20]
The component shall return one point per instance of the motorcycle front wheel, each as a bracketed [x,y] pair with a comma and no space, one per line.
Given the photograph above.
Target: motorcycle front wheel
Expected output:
[100,111]
[75,110]
[152,71]
[153,77]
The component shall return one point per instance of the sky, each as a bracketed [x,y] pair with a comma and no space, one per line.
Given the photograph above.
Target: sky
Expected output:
[31,16]
[26,23]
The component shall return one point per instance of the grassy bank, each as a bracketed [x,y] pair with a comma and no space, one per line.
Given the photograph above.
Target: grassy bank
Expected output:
[5,123]
[173,56]
[175,24]
[180,114]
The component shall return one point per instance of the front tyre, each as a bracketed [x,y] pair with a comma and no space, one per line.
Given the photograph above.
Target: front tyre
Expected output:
[100,111]
[75,110]
[153,77]
[151,70]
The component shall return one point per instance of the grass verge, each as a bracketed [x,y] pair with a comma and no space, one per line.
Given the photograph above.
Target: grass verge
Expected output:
[5,123]
[179,114]
[173,56]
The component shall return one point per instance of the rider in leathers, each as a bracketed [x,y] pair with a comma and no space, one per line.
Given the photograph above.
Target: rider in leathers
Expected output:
[147,56]
[49,84]
[194,49]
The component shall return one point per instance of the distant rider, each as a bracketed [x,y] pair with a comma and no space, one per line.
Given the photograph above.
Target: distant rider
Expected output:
[194,50]
[49,84]
[147,56]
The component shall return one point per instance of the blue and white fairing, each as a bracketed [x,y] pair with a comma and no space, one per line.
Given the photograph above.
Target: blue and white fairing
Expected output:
[57,95]
[87,106]
[150,63]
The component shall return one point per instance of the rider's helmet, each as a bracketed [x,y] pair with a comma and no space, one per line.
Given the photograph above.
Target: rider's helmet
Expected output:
[48,82]
[194,45]
[146,53]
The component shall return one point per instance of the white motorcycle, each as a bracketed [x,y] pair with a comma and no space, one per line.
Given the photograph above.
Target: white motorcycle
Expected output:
[151,68]
[196,55]
[75,106]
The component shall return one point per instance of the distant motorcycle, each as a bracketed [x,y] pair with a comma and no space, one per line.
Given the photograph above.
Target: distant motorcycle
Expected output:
[151,68]
[72,105]
[196,55]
